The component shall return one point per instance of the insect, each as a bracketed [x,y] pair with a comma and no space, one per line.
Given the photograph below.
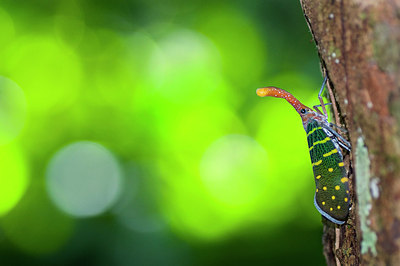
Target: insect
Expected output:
[332,187]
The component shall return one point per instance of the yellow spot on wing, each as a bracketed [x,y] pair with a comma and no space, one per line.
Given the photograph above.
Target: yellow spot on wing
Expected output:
[341,164]
[319,142]
[333,197]
[323,203]
[331,209]
[346,199]
[318,177]
[330,169]
[317,190]
[313,130]
[338,207]
[317,163]
[324,188]
[344,180]
[330,153]
[337,187]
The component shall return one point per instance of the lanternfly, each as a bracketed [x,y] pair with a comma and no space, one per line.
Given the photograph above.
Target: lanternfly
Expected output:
[332,188]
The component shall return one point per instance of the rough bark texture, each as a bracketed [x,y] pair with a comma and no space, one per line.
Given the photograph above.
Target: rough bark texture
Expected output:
[359,46]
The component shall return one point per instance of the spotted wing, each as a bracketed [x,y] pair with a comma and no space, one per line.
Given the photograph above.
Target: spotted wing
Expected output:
[332,192]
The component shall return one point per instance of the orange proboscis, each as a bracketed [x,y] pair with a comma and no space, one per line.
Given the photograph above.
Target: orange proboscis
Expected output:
[279,93]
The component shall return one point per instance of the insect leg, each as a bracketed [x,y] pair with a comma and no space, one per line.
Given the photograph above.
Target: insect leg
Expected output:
[341,129]
[319,105]
[343,143]
[344,146]
[320,96]
[316,109]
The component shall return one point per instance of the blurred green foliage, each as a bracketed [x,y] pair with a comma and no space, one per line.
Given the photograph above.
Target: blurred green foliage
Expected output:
[192,167]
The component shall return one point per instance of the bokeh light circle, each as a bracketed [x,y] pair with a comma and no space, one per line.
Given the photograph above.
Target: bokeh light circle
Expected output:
[233,169]
[185,68]
[43,66]
[84,179]
[12,110]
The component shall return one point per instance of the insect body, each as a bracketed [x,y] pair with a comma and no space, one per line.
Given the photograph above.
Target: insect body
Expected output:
[332,188]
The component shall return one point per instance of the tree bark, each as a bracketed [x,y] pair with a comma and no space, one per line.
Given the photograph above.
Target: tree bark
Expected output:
[358,42]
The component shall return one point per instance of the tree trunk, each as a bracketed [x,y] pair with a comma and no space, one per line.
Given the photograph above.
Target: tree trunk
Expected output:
[358,43]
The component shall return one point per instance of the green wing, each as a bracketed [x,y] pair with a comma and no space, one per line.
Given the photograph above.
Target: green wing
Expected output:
[332,193]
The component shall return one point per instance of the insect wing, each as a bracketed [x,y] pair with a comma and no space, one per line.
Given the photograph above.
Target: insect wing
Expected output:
[332,189]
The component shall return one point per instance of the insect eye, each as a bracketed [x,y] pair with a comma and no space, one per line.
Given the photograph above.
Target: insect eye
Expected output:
[303,111]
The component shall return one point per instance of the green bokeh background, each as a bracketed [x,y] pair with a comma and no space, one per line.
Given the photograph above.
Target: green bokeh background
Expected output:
[210,173]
